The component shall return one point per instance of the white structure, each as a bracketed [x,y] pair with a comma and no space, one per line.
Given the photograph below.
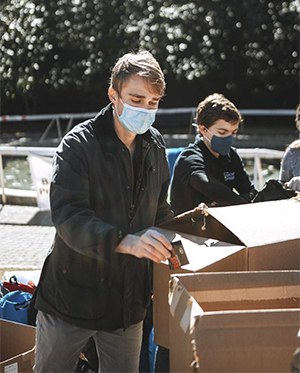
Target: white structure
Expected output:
[40,161]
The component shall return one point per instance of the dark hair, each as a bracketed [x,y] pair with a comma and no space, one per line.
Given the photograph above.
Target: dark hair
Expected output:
[142,64]
[215,107]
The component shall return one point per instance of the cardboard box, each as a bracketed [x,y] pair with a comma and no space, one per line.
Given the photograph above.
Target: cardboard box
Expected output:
[203,255]
[270,229]
[17,352]
[234,322]
[256,237]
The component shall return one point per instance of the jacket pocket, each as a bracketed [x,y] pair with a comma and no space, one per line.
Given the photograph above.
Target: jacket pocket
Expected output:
[83,288]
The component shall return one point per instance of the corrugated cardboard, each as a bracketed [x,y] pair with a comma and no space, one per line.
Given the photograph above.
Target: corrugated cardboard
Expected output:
[263,236]
[204,255]
[265,227]
[234,322]
[17,351]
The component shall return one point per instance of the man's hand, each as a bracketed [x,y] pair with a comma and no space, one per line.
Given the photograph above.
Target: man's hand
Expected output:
[152,245]
[294,183]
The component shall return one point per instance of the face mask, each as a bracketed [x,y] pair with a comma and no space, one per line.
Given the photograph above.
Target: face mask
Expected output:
[135,119]
[220,145]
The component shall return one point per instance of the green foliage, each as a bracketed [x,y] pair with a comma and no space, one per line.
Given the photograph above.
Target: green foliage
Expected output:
[56,55]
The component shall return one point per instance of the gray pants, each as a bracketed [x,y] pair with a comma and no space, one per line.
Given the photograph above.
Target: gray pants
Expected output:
[58,345]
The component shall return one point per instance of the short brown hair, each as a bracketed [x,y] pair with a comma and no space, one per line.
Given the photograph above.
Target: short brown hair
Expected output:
[215,107]
[142,64]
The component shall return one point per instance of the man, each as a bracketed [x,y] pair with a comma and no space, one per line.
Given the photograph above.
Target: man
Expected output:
[210,170]
[110,180]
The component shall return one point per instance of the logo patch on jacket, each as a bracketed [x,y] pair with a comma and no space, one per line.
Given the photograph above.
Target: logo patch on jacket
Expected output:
[229,176]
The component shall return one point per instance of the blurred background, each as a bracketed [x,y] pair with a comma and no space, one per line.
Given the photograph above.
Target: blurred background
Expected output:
[56,55]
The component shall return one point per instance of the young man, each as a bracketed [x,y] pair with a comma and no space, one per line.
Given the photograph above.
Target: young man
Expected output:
[110,180]
[210,170]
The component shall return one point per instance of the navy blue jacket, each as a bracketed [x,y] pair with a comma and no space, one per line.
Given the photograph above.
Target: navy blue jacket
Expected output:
[199,176]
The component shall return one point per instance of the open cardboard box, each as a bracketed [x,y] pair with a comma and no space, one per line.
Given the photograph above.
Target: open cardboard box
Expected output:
[234,321]
[17,352]
[251,237]
[203,255]
[270,229]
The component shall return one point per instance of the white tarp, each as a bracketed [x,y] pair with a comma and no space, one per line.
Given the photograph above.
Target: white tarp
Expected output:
[41,169]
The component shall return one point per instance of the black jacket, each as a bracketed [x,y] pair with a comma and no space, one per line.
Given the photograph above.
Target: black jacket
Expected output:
[95,201]
[199,176]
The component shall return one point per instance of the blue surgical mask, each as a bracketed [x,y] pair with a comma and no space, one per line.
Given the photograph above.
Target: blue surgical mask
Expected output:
[220,145]
[135,119]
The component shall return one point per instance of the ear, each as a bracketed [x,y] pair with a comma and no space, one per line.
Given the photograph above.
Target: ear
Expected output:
[202,129]
[112,94]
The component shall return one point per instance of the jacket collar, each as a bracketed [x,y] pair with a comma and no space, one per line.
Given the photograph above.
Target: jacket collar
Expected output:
[104,130]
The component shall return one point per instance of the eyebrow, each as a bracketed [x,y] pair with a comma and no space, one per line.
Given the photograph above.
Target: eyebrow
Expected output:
[142,96]
[222,129]
[226,129]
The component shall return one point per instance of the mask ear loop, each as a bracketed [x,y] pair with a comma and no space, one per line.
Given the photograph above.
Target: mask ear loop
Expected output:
[115,106]
[209,140]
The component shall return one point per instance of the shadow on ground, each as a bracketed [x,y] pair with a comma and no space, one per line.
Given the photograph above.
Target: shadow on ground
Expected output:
[42,218]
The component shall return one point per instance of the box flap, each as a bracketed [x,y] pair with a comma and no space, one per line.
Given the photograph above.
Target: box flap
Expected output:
[257,224]
[182,306]
[243,290]
[238,280]
[199,223]
[253,224]
[200,251]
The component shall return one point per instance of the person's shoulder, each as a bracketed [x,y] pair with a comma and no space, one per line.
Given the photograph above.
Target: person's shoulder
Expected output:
[191,149]
[234,153]
[233,150]
[156,136]
[80,133]
[155,132]
[85,130]
[292,150]
[191,154]
[295,145]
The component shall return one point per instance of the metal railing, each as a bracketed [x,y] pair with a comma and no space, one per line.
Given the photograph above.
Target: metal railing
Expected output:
[55,119]
[256,154]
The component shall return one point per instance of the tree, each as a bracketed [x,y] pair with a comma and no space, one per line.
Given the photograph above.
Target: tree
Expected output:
[247,49]
[60,50]
[56,55]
